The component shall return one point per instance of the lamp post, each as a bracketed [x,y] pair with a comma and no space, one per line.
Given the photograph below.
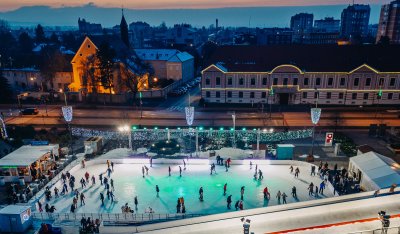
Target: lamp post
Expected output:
[189,114]
[315,116]
[234,128]
[271,94]
[127,130]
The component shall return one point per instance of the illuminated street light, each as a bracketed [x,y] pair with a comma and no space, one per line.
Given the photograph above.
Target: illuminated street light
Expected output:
[125,129]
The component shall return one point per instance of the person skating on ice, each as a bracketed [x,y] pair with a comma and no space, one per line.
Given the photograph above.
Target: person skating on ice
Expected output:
[157,190]
[225,185]
[229,201]
[294,192]
[201,191]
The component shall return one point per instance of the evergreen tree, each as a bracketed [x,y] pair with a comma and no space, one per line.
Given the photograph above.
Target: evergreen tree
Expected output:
[105,56]
[39,33]
[25,42]
[5,90]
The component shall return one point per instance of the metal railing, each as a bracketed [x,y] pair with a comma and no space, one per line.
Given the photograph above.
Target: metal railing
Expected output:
[113,218]
[390,230]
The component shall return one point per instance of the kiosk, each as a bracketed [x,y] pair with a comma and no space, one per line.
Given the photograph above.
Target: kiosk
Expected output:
[15,219]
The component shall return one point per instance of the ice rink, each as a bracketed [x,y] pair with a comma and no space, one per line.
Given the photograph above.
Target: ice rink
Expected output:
[128,183]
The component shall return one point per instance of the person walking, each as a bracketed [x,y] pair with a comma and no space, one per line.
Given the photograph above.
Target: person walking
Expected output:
[136,202]
[296,172]
[284,198]
[294,192]
[241,192]
[102,198]
[180,171]
[157,190]
[201,191]
[225,185]
[169,170]
[278,196]
[229,201]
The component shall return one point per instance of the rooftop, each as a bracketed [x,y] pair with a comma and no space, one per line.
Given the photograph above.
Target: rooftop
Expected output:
[26,155]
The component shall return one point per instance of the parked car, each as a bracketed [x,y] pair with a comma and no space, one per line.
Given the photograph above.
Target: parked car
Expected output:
[30,111]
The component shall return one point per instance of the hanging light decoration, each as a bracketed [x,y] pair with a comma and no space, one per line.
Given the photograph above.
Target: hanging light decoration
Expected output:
[189,111]
[3,129]
[315,115]
[67,113]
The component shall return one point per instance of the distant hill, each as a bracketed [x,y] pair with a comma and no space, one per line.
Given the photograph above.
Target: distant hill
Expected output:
[255,16]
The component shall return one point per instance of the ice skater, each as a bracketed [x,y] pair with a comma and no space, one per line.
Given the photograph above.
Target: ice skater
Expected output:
[316,191]
[322,187]
[201,194]
[143,171]
[226,165]
[108,172]
[291,169]
[184,164]
[82,199]
[241,205]
[169,170]
[297,172]
[237,204]
[108,163]
[255,175]
[225,185]
[241,192]
[87,177]
[157,190]
[312,170]
[180,171]
[147,169]
[112,184]
[136,202]
[112,166]
[256,168]
[112,196]
[228,202]
[93,180]
[55,192]
[311,189]
[260,175]
[151,161]
[267,195]
[284,198]
[294,192]
[101,179]
[251,165]
[278,196]
[102,198]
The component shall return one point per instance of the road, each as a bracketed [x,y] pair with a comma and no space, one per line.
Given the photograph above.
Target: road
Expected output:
[106,118]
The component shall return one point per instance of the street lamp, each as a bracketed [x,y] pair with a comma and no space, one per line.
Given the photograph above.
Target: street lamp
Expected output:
[234,128]
[189,114]
[127,130]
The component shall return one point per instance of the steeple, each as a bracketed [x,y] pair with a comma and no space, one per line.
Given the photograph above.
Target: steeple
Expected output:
[124,29]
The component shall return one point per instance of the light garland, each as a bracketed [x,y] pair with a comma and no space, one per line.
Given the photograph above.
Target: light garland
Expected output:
[189,112]
[67,113]
[315,115]
[3,129]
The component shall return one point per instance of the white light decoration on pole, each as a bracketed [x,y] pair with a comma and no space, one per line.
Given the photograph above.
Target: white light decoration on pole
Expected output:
[189,111]
[3,129]
[67,113]
[315,115]
[126,129]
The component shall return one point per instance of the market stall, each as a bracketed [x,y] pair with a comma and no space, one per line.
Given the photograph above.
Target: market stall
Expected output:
[28,163]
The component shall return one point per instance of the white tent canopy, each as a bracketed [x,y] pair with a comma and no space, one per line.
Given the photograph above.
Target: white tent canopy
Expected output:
[27,154]
[377,170]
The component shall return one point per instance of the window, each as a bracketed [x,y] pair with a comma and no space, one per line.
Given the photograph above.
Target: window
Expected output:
[295,81]
[285,81]
[340,95]
[88,46]
[275,81]
[365,97]
[368,82]
[392,81]
[315,94]
[304,95]
[354,96]
[390,96]
[318,81]
[253,81]
[217,94]
[328,95]
[218,81]
[342,81]
[229,94]
[207,81]
[241,81]
[229,80]
[330,81]
[251,94]
[263,94]
[356,81]
[305,82]
[240,94]
[264,81]
[381,81]
[208,94]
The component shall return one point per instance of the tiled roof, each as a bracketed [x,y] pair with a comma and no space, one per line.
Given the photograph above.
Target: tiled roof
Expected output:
[309,58]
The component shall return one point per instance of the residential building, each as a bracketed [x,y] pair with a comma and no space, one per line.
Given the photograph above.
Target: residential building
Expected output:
[300,24]
[89,28]
[354,22]
[169,63]
[320,38]
[303,74]
[274,36]
[328,24]
[182,34]
[389,22]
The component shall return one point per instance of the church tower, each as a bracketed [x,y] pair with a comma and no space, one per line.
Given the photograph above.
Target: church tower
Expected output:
[124,30]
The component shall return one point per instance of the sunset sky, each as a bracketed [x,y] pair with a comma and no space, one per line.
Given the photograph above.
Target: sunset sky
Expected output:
[6,5]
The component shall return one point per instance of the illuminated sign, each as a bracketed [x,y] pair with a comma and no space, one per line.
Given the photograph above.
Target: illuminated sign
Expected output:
[329,139]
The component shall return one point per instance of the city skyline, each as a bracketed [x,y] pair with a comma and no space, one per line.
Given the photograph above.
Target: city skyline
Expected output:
[9,5]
